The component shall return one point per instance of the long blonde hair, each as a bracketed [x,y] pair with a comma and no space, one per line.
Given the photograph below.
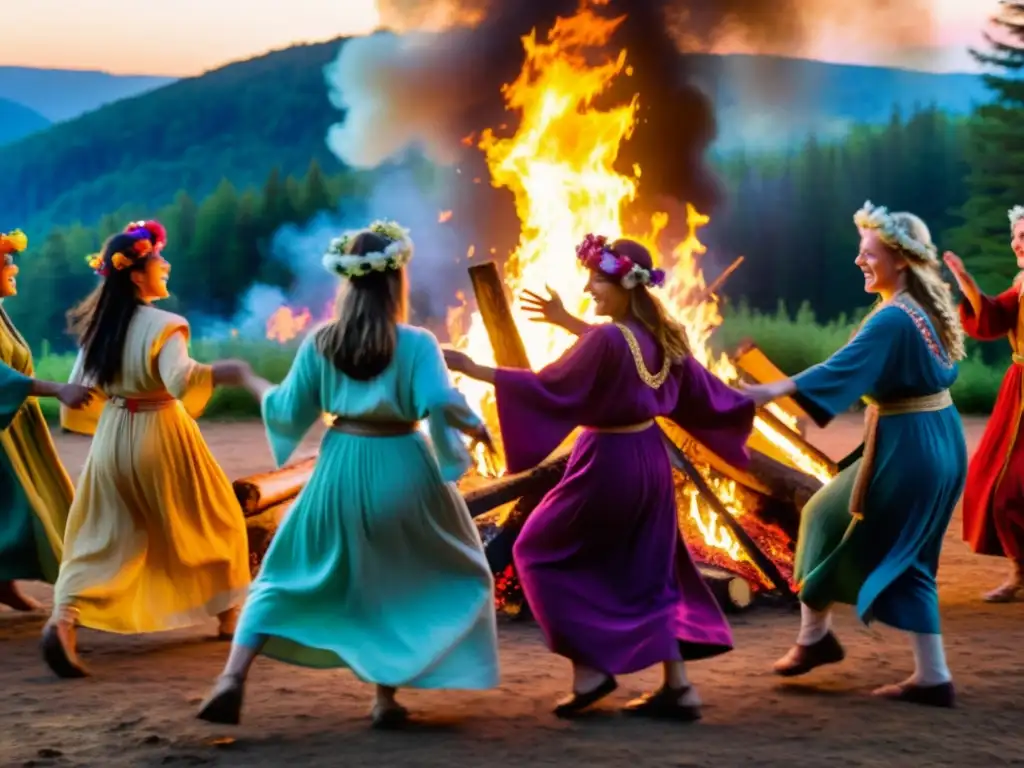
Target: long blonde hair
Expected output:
[909,236]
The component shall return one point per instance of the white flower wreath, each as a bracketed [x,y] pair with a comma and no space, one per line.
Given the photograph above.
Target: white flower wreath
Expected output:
[1016,214]
[895,232]
[338,260]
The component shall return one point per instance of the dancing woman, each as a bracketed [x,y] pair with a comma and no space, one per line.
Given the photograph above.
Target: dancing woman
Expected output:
[35,491]
[601,560]
[378,567]
[155,537]
[872,536]
[993,507]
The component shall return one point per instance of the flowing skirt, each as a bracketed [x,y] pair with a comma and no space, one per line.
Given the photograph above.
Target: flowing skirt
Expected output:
[155,538]
[886,564]
[378,567]
[603,565]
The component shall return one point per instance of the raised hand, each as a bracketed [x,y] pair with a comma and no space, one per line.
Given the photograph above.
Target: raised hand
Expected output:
[74,395]
[956,266]
[762,394]
[546,310]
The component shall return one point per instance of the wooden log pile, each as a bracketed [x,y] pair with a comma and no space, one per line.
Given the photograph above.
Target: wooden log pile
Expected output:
[265,500]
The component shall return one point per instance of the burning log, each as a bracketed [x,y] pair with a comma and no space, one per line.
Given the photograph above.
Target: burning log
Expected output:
[756,365]
[509,350]
[258,493]
[716,284]
[509,488]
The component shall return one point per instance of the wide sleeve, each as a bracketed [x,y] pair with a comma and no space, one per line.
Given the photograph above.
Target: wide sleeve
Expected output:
[290,409]
[184,378]
[82,420]
[15,389]
[538,410]
[998,315]
[444,408]
[718,416]
[832,387]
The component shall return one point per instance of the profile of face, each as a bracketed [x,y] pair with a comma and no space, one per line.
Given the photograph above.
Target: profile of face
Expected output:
[1017,242]
[610,298]
[882,266]
[151,280]
[8,276]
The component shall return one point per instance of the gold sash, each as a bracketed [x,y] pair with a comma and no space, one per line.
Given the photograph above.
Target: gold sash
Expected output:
[875,411]
[626,430]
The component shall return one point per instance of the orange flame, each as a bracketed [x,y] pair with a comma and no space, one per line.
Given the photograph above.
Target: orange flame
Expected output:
[559,166]
[285,324]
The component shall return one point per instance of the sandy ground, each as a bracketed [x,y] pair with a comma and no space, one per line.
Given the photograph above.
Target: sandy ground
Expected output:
[138,708]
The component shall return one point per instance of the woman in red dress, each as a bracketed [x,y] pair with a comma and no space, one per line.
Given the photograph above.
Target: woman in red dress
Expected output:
[993,504]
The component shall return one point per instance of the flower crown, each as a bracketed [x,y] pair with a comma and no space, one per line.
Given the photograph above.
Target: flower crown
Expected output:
[147,237]
[896,232]
[396,255]
[595,253]
[14,241]
[1016,214]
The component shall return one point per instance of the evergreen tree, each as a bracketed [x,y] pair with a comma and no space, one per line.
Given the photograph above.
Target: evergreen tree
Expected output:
[995,181]
[315,195]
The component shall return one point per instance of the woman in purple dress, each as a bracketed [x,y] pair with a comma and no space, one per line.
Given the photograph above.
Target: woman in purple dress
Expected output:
[601,560]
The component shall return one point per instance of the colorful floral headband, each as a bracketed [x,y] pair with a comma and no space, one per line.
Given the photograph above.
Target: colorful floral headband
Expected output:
[14,241]
[147,236]
[338,260]
[595,253]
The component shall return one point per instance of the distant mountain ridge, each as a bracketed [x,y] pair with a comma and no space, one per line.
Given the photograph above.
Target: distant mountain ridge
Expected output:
[64,94]
[18,121]
[242,120]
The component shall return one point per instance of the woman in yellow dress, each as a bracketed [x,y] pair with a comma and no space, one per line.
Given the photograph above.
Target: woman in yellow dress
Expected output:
[155,538]
[35,491]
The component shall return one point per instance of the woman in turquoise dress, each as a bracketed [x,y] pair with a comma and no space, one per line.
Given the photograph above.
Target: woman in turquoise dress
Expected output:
[29,542]
[378,567]
[872,536]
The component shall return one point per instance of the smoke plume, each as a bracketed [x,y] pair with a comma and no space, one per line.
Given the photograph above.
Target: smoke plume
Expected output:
[440,80]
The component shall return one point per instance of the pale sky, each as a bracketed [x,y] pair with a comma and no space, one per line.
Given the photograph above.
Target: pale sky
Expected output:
[186,37]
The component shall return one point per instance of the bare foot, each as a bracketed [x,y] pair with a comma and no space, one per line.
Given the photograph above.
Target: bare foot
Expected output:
[14,599]
[1005,593]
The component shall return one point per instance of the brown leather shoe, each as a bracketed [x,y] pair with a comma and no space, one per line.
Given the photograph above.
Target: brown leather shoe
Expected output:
[664,704]
[1005,593]
[59,645]
[801,659]
[942,695]
[14,599]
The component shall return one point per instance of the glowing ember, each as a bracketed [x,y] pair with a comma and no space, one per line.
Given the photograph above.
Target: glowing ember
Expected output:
[285,324]
[444,216]
[559,166]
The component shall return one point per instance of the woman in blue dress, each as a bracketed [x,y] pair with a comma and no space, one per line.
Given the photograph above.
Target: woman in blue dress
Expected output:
[872,536]
[378,566]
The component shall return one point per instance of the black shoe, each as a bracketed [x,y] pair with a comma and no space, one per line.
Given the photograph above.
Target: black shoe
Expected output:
[577,702]
[801,659]
[224,705]
[59,653]
[941,695]
[664,704]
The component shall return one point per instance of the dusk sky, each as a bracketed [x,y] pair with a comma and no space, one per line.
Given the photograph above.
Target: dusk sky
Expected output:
[186,37]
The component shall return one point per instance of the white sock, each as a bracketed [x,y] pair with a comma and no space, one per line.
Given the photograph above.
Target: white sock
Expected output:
[929,660]
[814,625]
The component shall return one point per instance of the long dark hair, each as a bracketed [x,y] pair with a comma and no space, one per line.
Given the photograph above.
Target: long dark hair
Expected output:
[100,322]
[647,310]
[361,341]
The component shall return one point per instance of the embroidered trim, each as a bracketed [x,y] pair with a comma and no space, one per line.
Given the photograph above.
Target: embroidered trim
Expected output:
[915,313]
[652,380]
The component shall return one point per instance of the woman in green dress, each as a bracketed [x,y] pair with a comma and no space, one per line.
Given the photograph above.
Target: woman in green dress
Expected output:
[35,491]
[872,536]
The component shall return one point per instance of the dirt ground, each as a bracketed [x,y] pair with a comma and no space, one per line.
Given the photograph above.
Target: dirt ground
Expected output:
[138,709]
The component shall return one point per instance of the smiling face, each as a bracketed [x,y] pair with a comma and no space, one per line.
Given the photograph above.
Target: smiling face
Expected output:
[881,265]
[610,298]
[1017,242]
[8,280]
[151,280]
